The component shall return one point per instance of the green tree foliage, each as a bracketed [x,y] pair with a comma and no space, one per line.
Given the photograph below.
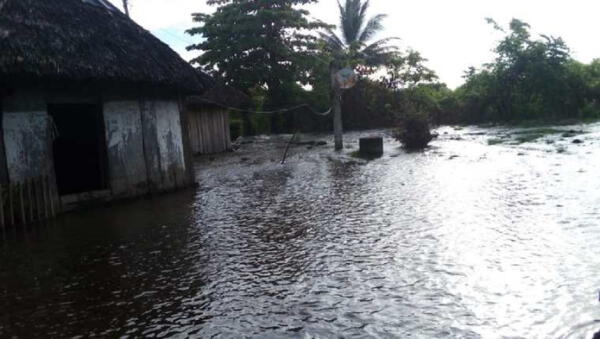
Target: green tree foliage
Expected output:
[530,78]
[258,45]
[407,70]
[591,78]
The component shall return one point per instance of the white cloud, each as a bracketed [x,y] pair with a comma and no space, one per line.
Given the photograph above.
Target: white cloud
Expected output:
[453,35]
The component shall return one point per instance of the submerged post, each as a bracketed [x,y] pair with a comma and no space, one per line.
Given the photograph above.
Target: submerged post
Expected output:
[336,93]
[371,147]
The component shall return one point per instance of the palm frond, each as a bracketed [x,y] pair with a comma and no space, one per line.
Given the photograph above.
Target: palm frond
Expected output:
[353,46]
[331,40]
[351,20]
[373,27]
[379,53]
[362,15]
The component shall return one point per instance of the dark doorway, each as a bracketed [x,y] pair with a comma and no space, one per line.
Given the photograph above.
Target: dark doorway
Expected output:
[79,148]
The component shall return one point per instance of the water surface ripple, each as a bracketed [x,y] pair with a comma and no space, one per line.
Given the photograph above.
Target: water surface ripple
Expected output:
[465,240]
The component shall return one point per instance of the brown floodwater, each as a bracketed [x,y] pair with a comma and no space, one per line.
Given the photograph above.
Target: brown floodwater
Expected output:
[480,236]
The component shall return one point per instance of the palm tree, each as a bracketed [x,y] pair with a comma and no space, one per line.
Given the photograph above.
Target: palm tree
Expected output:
[354,48]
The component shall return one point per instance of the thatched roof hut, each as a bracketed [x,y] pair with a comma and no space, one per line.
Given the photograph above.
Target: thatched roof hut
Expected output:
[216,93]
[90,100]
[84,40]
[208,115]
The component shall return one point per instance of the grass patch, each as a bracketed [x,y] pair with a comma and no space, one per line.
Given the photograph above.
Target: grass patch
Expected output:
[359,155]
[495,141]
[561,149]
[528,138]
[549,122]
[534,134]
[539,131]
[355,154]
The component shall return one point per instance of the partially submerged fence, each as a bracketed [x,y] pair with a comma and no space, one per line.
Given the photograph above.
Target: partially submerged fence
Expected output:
[28,201]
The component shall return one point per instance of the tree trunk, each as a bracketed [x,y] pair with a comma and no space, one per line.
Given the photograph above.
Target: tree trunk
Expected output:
[336,93]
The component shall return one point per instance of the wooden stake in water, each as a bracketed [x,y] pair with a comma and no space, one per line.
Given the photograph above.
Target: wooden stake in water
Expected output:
[287,148]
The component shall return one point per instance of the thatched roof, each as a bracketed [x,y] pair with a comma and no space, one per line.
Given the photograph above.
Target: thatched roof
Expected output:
[217,94]
[85,40]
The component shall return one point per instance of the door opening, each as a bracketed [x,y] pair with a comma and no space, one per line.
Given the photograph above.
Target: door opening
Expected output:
[79,148]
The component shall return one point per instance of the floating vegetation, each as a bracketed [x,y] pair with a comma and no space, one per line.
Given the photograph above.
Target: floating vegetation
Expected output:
[495,141]
[532,135]
[561,149]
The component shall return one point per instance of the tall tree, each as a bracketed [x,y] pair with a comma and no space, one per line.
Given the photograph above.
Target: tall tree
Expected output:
[529,78]
[355,48]
[258,44]
[407,71]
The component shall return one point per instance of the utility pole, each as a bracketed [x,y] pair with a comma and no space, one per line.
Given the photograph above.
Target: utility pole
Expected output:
[126,7]
[341,79]
[336,98]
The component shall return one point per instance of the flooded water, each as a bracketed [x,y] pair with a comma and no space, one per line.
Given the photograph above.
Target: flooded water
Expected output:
[488,234]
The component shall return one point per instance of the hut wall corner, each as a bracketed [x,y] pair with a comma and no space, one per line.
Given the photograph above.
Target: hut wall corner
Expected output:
[170,144]
[125,149]
[163,144]
[27,139]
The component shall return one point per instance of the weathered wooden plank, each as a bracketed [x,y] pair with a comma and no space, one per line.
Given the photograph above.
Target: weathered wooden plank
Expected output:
[10,205]
[209,131]
[29,183]
[45,195]
[227,132]
[38,199]
[52,197]
[2,207]
[203,132]
[22,203]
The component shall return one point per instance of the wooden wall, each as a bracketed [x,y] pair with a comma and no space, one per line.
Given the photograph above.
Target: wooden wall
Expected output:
[209,130]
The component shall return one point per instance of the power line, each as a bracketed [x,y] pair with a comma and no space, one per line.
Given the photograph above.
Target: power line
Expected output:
[164,30]
[283,110]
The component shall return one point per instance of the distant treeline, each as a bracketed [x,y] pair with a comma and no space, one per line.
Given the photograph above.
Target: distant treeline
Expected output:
[530,79]
[280,57]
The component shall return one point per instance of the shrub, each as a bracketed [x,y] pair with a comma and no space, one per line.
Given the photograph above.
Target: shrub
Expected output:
[414,133]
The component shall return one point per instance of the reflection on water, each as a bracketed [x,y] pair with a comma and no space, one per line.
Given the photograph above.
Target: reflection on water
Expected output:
[465,240]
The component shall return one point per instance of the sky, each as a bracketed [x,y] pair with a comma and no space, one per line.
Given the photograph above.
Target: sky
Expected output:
[452,35]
